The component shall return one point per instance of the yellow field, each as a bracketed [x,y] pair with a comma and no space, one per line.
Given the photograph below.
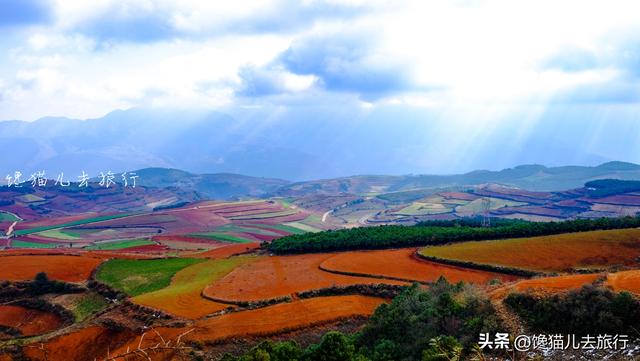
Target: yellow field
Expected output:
[597,249]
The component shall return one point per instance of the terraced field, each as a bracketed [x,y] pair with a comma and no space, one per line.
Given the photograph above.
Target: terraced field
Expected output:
[28,321]
[401,264]
[182,296]
[280,276]
[625,281]
[57,267]
[135,277]
[557,253]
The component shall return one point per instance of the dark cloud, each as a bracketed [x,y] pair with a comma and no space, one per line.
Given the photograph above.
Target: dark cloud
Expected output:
[24,12]
[346,63]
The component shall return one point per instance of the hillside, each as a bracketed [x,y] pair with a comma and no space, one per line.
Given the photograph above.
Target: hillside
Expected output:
[211,186]
[531,177]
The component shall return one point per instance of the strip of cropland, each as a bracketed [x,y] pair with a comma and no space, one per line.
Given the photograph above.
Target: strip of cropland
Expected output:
[556,253]
[22,232]
[421,235]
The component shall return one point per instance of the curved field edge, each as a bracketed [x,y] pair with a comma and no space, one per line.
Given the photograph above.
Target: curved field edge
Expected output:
[183,296]
[520,272]
[403,264]
[138,276]
[581,251]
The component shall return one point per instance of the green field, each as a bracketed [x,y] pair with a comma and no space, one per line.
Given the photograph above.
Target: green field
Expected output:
[135,277]
[420,208]
[219,236]
[109,246]
[301,227]
[8,217]
[29,198]
[265,215]
[183,294]
[27,244]
[87,305]
[280,227]
[477,206]
[260,229]
[22,232]
[58,234]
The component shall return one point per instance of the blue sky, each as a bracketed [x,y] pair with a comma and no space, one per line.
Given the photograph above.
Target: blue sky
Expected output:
[475,70]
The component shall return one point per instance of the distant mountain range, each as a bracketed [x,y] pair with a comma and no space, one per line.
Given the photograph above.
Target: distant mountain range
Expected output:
[297,145]
[530,177]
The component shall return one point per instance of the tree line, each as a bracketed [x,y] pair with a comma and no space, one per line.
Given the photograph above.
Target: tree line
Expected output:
[428,234]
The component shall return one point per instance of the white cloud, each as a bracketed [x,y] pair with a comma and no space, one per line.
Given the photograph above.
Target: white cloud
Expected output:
[423,53]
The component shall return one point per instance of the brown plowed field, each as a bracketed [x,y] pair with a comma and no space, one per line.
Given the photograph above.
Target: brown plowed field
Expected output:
[29,322]
[401,264]
[87,344]
[279,276]
[546,285]
[277,319]
[64,268]
[625,281]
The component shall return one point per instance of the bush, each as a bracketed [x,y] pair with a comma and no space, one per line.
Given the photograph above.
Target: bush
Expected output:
[590,310]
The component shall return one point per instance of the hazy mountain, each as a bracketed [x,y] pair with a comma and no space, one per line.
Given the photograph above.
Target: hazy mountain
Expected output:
[212,186]
[531,177]
[305,144]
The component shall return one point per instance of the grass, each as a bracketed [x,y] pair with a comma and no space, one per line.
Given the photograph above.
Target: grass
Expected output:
[22,232]
[563,252]
[184,291]
[109,246]
[219,236]
[8,217]
[136,277]
[89,304]
[27,244]
[58,234]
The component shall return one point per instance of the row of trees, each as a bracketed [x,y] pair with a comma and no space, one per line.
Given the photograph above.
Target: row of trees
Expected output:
[427,234]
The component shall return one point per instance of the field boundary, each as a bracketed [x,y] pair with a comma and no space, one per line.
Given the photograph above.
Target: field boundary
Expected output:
[358,274]
[482,267]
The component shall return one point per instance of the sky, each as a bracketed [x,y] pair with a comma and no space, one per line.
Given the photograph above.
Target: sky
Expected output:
[470,68]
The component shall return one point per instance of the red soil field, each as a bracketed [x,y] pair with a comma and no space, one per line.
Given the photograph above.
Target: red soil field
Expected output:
[459,195]
[227,250]
[150,248]
[187,239]
[625,281]
[29,322]
[281,219]
[402,264]
[59,267]
[629,200]
[546,285]
[87,344]
[279,276]
[272,320]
